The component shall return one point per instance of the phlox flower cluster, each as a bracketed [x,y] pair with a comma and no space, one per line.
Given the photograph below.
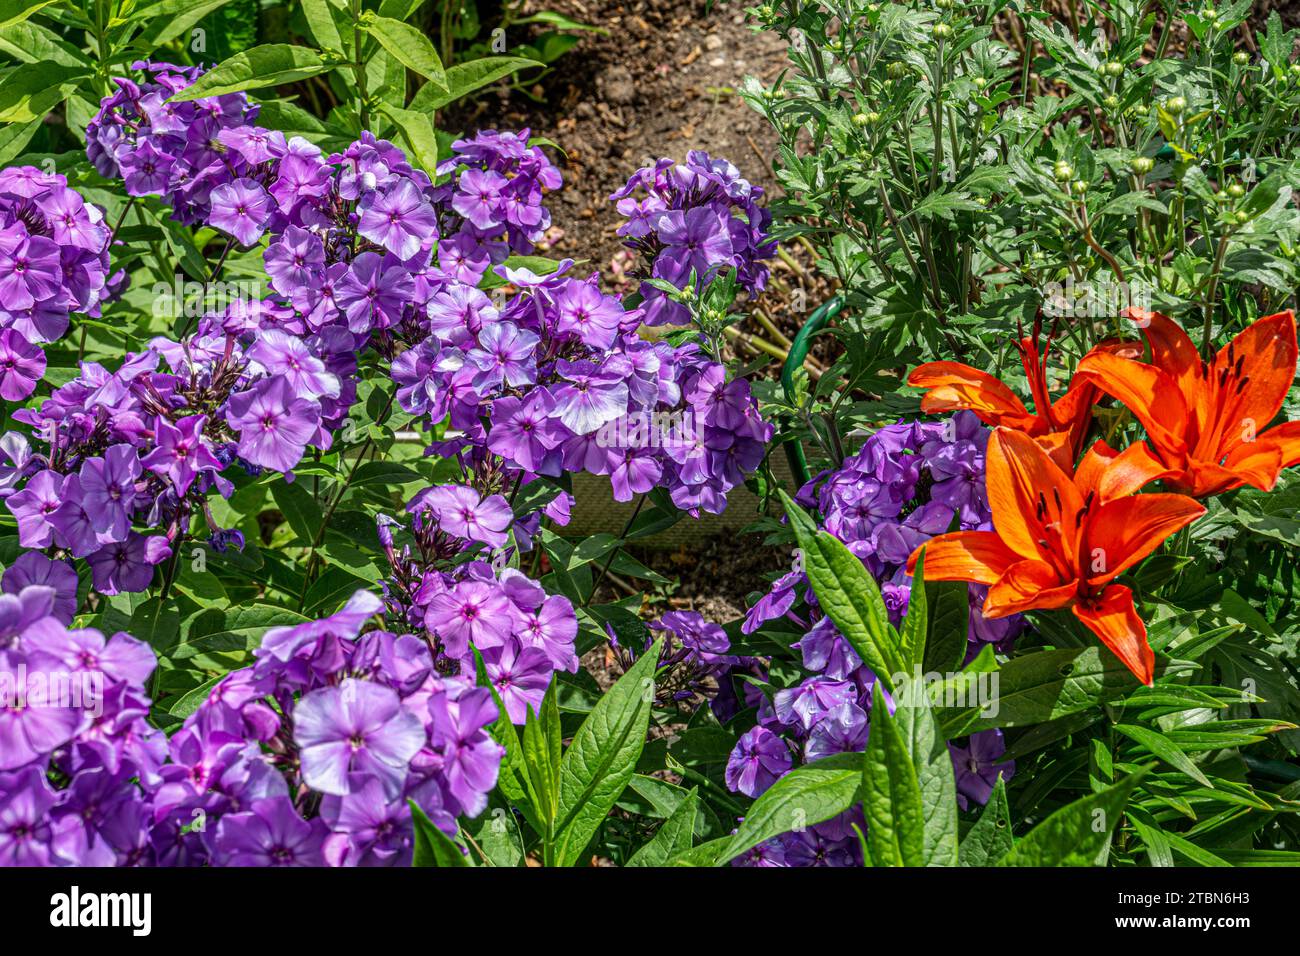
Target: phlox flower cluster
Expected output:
[53,261]
[309,757]
[908,483]
[555,380]
[141,447]
[522,634]
[178,151]
[694,662]
[698,215]
[491,202]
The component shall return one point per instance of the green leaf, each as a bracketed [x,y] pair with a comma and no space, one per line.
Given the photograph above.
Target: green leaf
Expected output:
[990,838]
[848,594]
[238,628]
[891,794]
[13,11]
[418,134]
[28,92]
[408,46]
[1165,749]
[932,764]
[673,836]
[300,509]
[157,623]
[804,796]
[912,635]
[1077,834]
[949,612]
[1044,685]
[541,752]
[272,64]
[465,78]
[320,20]
[432,846]
[495,834]
[603,756]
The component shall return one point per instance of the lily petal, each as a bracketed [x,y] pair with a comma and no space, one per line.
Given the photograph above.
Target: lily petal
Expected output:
[1114,619]
[1033,503]
[1248,383]
[1126,530]
[1150,394]
[1114,474]
[978,556]
[1026,585]
[954,386]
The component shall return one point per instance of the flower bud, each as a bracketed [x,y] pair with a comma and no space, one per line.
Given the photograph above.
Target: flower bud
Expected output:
[941,31]
[1079,187]
[1114,68]
[1111,102]
[1063,171]
[1141,165]
[1241,58]
[1236,190]
[1175,105]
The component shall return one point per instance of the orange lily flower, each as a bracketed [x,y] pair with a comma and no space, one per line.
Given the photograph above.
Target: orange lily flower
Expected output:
[1206,420]
[1061,541]
[1059,426]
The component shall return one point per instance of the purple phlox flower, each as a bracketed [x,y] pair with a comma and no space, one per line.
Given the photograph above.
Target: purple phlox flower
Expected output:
[523,432]
[520,675]
[459,511]
[584,311]
[271,833]
[180,452]
[703,639]
[240,209]
[357,727]
[506,354]
[32,725]
[274,426]
[469,758]
[373,292]
[805,705]
[399,219]
[34,507]
[842,729]
[26,799]
[33,568]
[824,651]
[978,765]
[367,828]
[288,355]
[126,565]
[759,759]
[21,365]
[478,197]
[774,604]
[108,490]
[553,627]
[471,612]
[20,611]
[296,259]
[590,398]
[120,657]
